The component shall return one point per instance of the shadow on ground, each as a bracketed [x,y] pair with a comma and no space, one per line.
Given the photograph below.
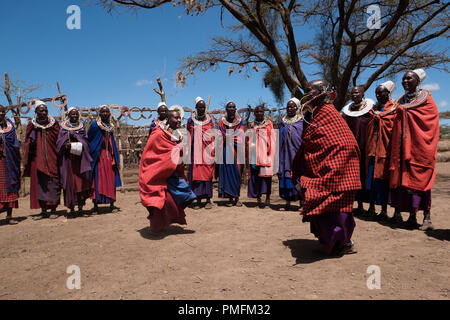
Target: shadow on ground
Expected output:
[306,251]
[402,225]
[4,222]
[148,234]
[440,234]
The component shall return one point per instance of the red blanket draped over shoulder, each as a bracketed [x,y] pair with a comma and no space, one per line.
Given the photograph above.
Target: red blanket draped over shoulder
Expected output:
[379,132]
[46,156]
[262,141]
[159,161]
[330,152]
[414,144]
[202,147]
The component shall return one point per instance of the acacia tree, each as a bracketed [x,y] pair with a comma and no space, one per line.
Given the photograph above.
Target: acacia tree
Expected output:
[20,91]
[344,48]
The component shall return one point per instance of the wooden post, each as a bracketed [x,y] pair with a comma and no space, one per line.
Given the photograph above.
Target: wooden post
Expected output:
[161,92]
[62,100]
[119,140]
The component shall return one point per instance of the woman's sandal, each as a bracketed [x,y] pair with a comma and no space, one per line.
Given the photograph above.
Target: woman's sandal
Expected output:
[11,220]
[114,209]
[427,225]
[349,248]
[208,205]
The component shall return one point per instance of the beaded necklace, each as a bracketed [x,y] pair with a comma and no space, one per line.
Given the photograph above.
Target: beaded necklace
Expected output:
[199,122]
[418,99]
[8,128]
[293,119]
[69,126]
[51,122]
[174,134]
[104,126]
[236,121]
[258,125]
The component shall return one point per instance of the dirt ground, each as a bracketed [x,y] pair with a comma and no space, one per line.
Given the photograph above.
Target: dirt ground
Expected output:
[222,253]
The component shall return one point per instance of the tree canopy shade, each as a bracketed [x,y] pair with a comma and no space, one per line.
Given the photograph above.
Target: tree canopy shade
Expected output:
[346,49]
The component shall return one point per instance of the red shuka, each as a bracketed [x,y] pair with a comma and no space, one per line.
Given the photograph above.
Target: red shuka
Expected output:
[45,154]
[262,141]
[415,138]
[379,131]
[331,153]
[203,150]
[159,160]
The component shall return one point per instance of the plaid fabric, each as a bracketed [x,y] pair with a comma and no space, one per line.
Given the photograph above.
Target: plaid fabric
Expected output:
[331,153]
[5,196]
[320,202]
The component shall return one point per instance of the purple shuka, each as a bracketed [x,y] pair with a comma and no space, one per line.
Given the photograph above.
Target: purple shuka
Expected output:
[290,142]
[12,159]
[66,163]
[407,200]
[331,228]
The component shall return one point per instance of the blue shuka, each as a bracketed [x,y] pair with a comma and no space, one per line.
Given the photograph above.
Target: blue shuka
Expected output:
[95,137]
[290,142]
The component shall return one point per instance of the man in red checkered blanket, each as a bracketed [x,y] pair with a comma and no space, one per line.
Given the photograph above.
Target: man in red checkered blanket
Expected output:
[327,167]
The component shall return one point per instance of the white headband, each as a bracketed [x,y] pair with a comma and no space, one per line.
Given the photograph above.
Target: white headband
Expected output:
[198,99]
[38,103]
[389,85]
[296,101]
[421,74]
[162,104]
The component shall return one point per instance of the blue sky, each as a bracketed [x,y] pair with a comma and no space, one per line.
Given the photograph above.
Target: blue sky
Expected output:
[117,58]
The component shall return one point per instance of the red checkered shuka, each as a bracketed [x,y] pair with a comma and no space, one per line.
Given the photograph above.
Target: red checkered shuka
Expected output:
[331,153]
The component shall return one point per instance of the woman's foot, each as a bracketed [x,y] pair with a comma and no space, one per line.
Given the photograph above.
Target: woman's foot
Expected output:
[40,216]
[208,205]
[349,248]
[267,202]
[196,205]
[113,208]
[427,225]
[237,203]
[259,202]
[94,210]
[11,220]
[287,206]
[53,215]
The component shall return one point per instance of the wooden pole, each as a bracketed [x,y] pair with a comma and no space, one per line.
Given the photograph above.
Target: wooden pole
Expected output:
[161,92]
